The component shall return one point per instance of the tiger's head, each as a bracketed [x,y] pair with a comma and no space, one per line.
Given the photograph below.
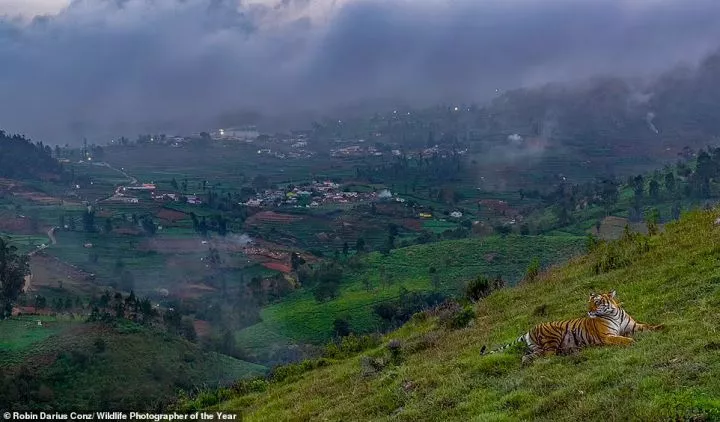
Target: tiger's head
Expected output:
[602,304]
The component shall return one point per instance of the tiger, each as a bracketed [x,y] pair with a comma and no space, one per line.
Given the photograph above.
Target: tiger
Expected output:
[606,323]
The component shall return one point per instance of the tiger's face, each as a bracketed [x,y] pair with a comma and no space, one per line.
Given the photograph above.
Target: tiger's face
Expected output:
[602,304]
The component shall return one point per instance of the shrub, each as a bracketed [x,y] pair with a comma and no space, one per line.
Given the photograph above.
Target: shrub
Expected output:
[351,345]
[395,349]
[100,345]
[533,270]
[481,286]
[477,288]
[453,316]
[372,365]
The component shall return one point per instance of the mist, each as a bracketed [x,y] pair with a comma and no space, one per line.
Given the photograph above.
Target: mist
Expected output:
[105,68]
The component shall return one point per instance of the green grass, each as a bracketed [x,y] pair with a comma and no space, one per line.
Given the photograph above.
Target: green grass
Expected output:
[134,368]
[19,335]
[439,226]
[667,375]
[25,243]
[301,318]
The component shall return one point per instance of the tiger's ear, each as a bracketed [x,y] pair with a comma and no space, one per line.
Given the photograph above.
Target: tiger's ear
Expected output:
[612,294]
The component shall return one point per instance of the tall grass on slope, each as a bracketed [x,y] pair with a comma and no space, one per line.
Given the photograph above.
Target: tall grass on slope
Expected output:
[669,375]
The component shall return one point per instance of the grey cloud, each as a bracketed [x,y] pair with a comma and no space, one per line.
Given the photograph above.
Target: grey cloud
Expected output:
[103,68]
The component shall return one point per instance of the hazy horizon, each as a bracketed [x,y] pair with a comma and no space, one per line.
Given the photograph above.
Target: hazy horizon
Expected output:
[101,68]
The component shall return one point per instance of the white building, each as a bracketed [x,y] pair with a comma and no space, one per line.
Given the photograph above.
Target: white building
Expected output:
[247,133]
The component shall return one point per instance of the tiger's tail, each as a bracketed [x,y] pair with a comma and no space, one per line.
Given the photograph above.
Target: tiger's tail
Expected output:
[522,339]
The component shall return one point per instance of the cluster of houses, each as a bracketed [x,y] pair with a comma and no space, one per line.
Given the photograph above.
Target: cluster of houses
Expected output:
[129,195]
[314,195]
[285,155]
[356,151]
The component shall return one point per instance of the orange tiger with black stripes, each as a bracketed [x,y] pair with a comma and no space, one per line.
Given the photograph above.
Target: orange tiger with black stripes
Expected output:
[606,323]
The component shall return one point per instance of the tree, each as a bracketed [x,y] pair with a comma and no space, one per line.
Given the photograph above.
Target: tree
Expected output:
[108,225]
[638,184]
[296,261]
[676,211]
[360,245]
[13,269]
[187,329]
[174,184]
[524,230]
[341,326]
[89,220]
[654,189]
[670,182]
[221,225]
[346,249]
[148,225]
[504,229]
[203,227]
[367,283]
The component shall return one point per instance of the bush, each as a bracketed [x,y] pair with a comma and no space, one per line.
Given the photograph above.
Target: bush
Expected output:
[100,345]
[481,286]
[399,311]
[351,345]
[452,315]
[533,270]
[395,349]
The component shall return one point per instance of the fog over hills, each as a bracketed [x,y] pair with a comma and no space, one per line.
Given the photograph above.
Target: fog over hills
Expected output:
[102,68]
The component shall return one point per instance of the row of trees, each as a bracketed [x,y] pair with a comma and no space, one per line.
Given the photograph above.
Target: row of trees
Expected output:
[90,225]
[22,159]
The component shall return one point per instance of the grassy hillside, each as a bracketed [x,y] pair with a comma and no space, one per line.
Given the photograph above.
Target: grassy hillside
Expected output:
[671,279]
[72,365]
[300,317]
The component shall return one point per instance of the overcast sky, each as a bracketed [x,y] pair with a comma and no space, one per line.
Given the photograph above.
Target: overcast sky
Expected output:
[111,67]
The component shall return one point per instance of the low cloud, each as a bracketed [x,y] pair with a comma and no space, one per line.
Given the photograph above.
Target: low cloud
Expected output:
[102,68]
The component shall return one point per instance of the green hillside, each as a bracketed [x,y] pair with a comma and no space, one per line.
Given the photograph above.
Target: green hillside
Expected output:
[67,364]
[300,317]
[437,373]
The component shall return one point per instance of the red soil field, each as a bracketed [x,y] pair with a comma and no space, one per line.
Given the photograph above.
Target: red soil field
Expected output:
[271,217]
[277,266]
[171,215]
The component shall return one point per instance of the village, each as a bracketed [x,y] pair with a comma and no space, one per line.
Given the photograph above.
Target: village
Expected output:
[315,194]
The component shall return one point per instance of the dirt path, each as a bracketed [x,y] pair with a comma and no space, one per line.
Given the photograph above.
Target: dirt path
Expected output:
[132,181]
[53,241]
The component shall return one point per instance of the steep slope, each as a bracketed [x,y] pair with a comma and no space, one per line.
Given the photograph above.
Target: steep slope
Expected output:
[438,374]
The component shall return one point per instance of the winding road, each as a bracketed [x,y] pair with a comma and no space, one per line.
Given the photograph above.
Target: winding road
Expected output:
[132,180]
